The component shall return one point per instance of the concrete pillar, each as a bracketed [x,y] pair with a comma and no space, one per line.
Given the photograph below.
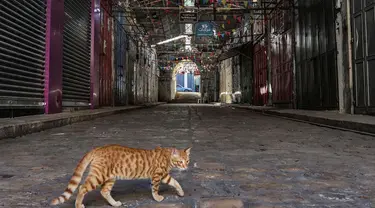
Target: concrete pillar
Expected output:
[165,84]
[215,86]
[343,57]
[340,64]
[229,80]
[173,87]
[350,91]
[185,79]
[54,57]
[95,52]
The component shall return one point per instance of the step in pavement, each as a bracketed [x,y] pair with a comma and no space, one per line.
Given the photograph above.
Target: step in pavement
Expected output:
[20,126]
[364,124]
[203,203]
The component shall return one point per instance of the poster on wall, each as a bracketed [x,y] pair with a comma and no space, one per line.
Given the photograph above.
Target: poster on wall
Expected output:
[203,32]
[259,27]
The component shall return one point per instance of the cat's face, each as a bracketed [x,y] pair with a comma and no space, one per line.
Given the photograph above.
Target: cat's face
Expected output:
[181,158]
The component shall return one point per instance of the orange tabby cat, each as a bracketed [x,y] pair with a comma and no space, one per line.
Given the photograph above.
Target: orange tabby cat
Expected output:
[113,162]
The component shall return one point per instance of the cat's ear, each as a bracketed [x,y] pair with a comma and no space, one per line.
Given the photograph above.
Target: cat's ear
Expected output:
[175,152]
[187,150]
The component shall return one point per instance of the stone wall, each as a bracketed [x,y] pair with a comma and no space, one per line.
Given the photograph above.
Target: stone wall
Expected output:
[164,86]
[208,86]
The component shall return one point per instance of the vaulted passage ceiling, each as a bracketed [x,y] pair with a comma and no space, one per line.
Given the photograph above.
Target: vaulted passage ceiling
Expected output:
[154,21]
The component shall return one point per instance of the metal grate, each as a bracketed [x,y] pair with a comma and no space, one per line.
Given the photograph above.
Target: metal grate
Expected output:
[22,53]
[76,51]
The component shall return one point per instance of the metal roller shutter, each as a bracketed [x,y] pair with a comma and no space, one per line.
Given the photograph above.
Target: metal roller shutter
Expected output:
[76,51]
[120,61]
[22,53]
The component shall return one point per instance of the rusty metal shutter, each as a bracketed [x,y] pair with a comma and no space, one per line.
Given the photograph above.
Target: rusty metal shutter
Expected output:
[22,53]
[76,51]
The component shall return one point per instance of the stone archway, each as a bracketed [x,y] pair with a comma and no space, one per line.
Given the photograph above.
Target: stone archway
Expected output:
[168,81]
[186,75]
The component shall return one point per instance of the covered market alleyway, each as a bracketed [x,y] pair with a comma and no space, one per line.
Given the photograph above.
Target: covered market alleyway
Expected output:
[245,158]
[231,78]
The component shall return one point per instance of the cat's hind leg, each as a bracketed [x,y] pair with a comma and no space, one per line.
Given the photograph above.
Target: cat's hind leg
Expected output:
[172,182]
[90,184]
[106,192]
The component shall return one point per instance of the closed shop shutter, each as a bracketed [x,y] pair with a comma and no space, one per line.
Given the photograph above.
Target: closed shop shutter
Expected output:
[121,68]
[132,55]
[22,53]
[316,67]
[363,27]
[76,51]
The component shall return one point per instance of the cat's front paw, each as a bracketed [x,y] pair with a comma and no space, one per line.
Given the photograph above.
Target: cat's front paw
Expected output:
[180,193]
[158,198]
[117,204]
[80,206]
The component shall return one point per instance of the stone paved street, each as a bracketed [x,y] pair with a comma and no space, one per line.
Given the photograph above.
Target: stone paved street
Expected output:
[239,159]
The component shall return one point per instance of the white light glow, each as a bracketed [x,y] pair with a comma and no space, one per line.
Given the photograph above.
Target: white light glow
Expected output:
[172,39]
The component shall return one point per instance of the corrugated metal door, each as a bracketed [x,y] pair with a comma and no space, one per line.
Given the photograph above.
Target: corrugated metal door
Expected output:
[364,55]
[260,75]
[282,55]
[282,67]
[316,68]
[190,81]
[22,54]
[105,70]
[131,54]
[121,68]
[76,52]
[246,75]
[236,74]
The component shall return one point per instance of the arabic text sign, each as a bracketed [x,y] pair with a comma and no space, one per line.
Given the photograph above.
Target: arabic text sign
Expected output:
[203,29]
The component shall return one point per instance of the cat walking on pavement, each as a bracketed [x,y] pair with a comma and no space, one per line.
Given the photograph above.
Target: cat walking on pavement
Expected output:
[114,162]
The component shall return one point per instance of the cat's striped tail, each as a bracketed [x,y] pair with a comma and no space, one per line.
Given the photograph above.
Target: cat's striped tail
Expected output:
[75,179]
